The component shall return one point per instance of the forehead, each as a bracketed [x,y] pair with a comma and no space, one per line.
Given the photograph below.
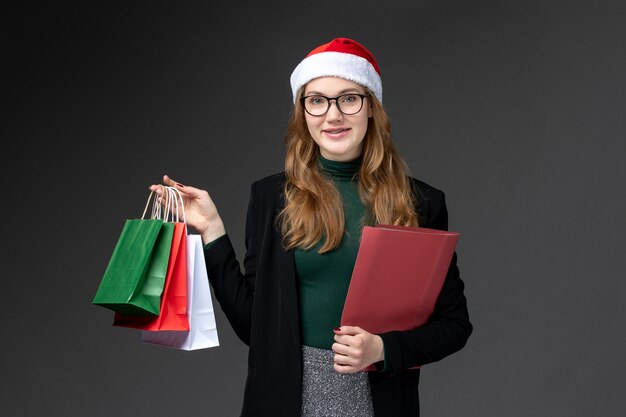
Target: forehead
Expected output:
[332,86]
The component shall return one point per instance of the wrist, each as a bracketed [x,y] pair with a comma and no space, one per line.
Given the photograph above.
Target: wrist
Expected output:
[380,349]
[213,231]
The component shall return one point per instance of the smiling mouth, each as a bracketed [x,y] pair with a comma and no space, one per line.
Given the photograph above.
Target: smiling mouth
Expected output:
[335,131]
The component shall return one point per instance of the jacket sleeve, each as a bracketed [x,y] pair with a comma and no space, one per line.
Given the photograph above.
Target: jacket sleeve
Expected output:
[448,328]
[233,289]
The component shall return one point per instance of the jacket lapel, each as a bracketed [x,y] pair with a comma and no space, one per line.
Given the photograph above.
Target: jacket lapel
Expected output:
[287,277]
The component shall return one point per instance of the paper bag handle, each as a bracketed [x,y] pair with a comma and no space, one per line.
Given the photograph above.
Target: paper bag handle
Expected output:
[165,210]
[156,208]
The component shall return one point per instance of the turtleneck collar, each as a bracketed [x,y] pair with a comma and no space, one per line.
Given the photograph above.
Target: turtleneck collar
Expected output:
[339,170]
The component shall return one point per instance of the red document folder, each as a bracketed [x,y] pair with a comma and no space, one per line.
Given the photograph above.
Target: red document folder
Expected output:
[397,277]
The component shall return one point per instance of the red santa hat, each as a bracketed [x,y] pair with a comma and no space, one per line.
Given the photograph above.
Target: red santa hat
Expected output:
[343,58]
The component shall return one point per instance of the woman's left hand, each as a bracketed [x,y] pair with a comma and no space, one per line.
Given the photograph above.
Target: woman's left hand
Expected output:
[355,349]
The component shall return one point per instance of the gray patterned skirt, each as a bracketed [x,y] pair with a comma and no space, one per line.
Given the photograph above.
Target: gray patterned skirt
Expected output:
[327,393]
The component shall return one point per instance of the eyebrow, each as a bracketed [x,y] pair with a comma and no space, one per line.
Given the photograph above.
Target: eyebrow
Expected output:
[347,90]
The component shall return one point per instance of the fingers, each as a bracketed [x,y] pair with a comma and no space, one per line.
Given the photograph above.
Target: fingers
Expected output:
[355,341]
[160,190]
[168,181]
[355,349]
[349,345]
[185,190]
[350,336]
[348,348]
[352,330]
[342,349]
[347,362]
[345,369]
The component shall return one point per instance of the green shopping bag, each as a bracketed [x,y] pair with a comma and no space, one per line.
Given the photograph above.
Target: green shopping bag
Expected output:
[135,276]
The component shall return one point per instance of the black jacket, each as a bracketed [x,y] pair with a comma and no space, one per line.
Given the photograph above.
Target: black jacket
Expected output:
[262,306]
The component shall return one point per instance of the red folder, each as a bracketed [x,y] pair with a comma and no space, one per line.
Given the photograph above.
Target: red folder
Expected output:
[397,277]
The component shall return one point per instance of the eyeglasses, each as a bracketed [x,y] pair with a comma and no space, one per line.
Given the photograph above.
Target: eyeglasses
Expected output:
[348,104]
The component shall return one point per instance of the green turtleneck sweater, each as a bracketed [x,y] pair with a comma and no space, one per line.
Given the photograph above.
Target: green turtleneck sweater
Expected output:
[324,279]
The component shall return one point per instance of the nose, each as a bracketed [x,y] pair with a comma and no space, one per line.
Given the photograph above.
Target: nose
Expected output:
[333,112]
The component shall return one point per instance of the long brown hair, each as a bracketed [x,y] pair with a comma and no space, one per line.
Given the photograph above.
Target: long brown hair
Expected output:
[313,208]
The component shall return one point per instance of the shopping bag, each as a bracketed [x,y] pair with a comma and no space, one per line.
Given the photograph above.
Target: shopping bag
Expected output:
[134,279]
[173,314]
[202,331]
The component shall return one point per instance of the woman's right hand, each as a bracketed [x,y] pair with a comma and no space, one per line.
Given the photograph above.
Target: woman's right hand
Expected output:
[200,211]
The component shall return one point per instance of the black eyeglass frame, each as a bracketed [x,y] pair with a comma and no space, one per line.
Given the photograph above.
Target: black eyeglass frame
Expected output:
[328,99]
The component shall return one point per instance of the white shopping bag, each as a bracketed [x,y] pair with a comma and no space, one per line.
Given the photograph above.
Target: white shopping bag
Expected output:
[203,331]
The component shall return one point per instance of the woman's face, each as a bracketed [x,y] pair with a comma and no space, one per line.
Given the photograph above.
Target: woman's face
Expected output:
[339,136]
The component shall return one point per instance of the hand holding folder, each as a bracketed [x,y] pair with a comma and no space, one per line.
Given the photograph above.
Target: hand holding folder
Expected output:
[397,277]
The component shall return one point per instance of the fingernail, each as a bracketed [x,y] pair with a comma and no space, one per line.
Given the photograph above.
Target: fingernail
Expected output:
[337,329]
[179,184]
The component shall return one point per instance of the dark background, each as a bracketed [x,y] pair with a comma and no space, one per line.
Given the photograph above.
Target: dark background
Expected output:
[515,109]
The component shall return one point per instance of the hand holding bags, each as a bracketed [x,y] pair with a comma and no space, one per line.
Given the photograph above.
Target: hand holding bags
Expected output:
[186,319]
[135,276]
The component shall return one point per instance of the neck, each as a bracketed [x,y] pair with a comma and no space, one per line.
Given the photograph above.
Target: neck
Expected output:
[340,170]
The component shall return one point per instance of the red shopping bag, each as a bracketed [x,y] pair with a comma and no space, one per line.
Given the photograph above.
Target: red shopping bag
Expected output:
[173,315]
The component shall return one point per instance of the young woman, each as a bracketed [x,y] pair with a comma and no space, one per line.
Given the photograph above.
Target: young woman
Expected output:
[303,228]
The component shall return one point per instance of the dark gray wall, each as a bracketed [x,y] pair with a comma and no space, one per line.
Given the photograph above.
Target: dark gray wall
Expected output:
[515,109]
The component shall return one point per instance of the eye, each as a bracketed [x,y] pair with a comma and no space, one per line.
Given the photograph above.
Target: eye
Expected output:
[315,100]
[349,98]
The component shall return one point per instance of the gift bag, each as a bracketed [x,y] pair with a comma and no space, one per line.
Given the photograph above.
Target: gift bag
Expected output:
[135,276]
[173,312]
[202,331]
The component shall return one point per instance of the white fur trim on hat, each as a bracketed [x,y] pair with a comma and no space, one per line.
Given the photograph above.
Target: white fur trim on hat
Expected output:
[337,64]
